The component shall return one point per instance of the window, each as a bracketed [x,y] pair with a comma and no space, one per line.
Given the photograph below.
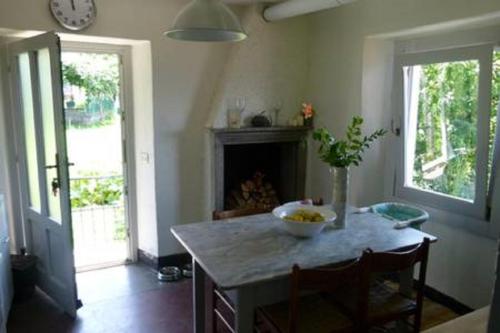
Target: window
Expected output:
[449,99]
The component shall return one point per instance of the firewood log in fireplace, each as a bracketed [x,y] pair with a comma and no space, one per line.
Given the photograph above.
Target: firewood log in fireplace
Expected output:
[253,193]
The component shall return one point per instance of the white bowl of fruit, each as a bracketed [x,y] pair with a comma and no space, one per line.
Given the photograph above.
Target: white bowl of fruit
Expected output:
[304,220]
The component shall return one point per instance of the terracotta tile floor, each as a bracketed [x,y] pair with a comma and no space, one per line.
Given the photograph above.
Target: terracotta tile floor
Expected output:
[129,299]
[120,299]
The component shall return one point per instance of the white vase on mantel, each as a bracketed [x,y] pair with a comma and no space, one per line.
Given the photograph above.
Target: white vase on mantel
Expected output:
[340,194]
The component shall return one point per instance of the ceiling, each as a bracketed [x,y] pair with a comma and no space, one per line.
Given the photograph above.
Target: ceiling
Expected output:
[248,2]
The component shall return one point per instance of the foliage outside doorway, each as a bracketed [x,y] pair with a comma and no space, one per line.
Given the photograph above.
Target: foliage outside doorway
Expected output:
[94,134]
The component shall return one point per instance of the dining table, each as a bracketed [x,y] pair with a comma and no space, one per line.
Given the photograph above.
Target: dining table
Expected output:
[251,258]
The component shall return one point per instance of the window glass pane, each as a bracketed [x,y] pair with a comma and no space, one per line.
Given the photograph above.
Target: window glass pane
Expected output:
[441,104]
[29,130]
[49,131]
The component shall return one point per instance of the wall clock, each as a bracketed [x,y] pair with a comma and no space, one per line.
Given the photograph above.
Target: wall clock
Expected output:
[74,14]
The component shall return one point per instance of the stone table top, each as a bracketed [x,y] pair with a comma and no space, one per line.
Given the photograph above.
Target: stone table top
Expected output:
[247,250]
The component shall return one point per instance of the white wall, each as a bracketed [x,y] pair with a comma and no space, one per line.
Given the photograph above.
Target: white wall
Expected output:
[142,74]
[494,322]
[271,65]
[272,62]
[347,78]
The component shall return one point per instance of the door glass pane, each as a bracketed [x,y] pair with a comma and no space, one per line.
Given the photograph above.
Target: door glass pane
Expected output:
[29,130]
[49,130]
[441,103]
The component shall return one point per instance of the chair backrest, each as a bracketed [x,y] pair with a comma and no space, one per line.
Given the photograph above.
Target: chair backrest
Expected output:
[357,274]
[385,262]
[228,214]
[320,280]
[390,262]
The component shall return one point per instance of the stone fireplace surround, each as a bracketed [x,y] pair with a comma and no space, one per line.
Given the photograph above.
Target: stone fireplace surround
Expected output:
[283,156]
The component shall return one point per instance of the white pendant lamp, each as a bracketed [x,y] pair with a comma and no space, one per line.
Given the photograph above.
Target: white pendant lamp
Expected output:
[206,21]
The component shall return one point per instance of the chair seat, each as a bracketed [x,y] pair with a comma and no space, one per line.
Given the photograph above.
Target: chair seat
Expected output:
[384,302]
[316,315]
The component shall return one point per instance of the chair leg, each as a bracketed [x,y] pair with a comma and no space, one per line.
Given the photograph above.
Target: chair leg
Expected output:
[417,322]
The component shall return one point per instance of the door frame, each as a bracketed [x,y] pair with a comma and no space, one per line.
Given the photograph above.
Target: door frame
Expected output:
[12,184]
[126,102]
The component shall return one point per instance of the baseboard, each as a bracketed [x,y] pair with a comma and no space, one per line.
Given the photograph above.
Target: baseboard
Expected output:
[147,258]
[155,262]
[448,301]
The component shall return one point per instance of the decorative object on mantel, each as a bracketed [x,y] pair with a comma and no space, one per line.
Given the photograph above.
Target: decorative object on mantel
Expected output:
[308,114]
[261,120]
[340,155]
[235,107]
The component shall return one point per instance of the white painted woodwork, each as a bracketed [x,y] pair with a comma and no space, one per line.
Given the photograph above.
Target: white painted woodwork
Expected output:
[48,237]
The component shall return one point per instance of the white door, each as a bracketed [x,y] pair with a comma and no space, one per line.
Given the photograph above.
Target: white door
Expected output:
[43,164]
[6,291]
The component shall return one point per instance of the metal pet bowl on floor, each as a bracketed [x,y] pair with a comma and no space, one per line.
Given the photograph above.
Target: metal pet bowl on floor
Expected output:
[187,270]
[169,274]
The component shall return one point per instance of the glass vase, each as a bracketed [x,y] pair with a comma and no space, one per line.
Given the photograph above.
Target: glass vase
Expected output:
[340,194]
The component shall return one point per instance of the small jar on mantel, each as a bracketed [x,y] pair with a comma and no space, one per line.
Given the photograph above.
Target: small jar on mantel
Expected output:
[233,118]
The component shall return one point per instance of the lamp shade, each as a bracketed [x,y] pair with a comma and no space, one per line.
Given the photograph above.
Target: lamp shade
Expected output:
[206,21]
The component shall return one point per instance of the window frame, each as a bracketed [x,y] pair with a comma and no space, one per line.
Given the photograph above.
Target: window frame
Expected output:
[484,55]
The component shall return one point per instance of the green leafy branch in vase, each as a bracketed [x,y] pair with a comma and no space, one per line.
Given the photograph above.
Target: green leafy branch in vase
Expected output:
[343,153]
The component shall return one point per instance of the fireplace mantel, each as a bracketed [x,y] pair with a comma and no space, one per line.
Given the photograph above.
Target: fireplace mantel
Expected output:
[247,135]
[293,141]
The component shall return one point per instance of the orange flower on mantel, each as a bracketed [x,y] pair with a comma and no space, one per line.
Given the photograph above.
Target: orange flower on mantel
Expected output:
[307,110]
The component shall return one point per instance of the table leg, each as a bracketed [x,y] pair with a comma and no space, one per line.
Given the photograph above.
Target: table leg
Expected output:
[245,305]
[198,298]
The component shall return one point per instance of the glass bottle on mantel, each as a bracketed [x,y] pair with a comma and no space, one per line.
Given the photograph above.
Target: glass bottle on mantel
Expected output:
[340,194]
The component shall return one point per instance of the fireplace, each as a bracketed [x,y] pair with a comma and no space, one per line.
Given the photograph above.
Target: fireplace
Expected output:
[259,167]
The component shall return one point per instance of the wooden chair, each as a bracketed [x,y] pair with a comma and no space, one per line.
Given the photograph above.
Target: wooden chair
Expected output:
[221,307]
[350,300]
[312,312]
[229,214]
[384,303]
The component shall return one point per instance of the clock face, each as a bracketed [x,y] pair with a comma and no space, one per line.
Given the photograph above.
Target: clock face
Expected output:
[74,14]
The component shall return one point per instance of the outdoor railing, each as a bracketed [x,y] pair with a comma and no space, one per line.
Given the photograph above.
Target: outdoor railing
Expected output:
[98,219]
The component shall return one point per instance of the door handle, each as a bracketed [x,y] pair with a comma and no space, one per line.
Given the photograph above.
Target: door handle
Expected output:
[57,166]
[55,183]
